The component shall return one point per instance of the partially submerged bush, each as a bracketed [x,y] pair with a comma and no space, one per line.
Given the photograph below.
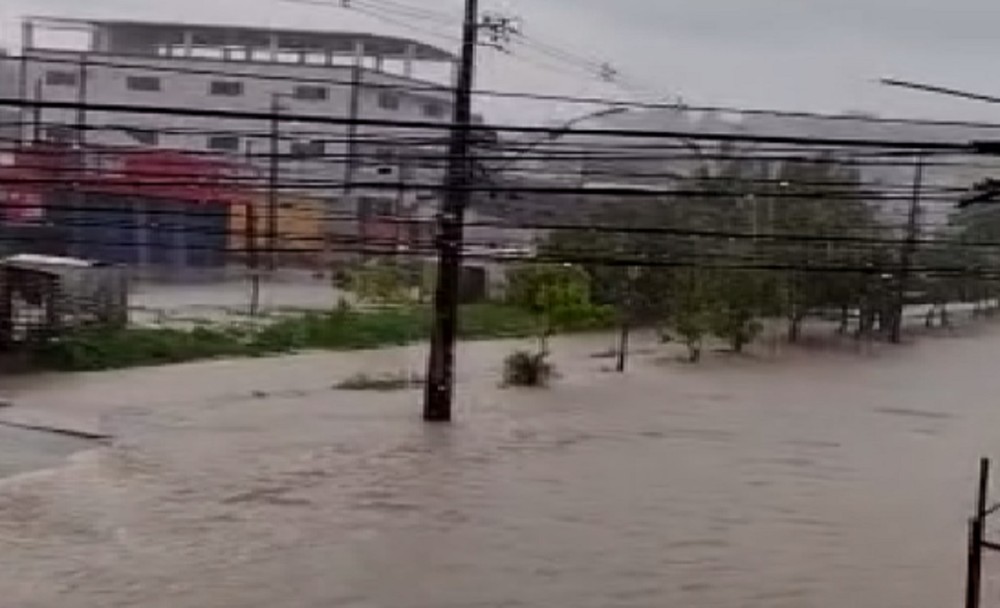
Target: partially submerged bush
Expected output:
[383,382]
[527,369]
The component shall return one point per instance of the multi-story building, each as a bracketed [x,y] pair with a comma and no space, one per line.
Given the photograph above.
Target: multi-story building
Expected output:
[285,77]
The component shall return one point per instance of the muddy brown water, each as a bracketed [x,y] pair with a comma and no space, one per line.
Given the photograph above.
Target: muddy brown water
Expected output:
[23,451]
[818,479]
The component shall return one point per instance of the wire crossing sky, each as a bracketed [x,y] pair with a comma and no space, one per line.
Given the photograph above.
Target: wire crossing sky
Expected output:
[822,55]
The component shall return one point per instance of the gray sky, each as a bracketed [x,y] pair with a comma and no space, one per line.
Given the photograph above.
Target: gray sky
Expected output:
[812,55]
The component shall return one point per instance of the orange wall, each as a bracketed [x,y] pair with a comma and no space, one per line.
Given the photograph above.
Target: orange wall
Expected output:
[301,222]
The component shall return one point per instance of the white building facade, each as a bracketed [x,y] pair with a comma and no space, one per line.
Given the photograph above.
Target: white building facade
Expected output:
[277,74]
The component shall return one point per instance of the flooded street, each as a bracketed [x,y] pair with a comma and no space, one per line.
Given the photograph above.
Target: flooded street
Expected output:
[813,479]
[24,450]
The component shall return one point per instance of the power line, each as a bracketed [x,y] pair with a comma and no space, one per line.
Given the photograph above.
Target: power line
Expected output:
[94,60]
[413,161]
[592,229]
[968,147]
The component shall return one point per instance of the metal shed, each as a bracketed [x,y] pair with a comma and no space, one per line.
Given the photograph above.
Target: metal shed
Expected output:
[42,296]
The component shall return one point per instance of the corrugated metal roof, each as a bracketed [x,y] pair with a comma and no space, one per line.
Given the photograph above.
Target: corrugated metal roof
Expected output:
[31,261]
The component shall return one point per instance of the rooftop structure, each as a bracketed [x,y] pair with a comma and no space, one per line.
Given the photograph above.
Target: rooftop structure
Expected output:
[232,43]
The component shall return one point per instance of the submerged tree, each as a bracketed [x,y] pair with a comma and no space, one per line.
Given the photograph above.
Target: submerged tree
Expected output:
[689,310]
[558,296]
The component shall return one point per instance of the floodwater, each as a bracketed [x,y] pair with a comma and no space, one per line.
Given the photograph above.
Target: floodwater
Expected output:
[22,450]
[812,479]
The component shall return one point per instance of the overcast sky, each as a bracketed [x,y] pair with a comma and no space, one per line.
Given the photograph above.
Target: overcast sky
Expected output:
[812,55]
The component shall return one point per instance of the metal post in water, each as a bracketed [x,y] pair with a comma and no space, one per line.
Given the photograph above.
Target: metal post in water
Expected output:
[984,482]
[973,583]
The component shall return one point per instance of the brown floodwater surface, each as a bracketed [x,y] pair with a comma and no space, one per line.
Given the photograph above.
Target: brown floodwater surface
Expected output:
[815,479]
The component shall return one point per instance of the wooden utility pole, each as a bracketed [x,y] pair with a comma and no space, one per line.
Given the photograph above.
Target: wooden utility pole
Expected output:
[357,74]
[36,115]
[253,257]
[441,365]
[81,99]
[23,92]
[906,256]
[272,185]
[628,310]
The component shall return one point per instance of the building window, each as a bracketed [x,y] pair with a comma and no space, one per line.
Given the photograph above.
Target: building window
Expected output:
[388,100]
[60,78]
[226,88]
[143,83]
[311,93]
[59,134]
[308,149]
[146,137]
[370,207]
[433,109]
[224,143]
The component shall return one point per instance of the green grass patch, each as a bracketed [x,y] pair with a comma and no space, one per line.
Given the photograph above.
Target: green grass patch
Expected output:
[341,329]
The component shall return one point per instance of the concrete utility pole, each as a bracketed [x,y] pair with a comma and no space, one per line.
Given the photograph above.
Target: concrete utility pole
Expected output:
[441,364]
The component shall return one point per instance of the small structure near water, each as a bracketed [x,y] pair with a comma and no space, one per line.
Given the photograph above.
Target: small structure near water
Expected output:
[43,296]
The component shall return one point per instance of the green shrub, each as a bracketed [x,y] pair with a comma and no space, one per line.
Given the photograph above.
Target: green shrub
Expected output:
[381,283]
[94,350]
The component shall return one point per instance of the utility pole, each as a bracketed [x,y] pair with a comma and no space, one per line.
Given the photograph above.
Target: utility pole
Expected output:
[250,236]
[81,100]
[357,73]
[252,257]
[36,115]
[631,276]
[977,525]
[906,256]
[440,389]
[22,90]
[272,185]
